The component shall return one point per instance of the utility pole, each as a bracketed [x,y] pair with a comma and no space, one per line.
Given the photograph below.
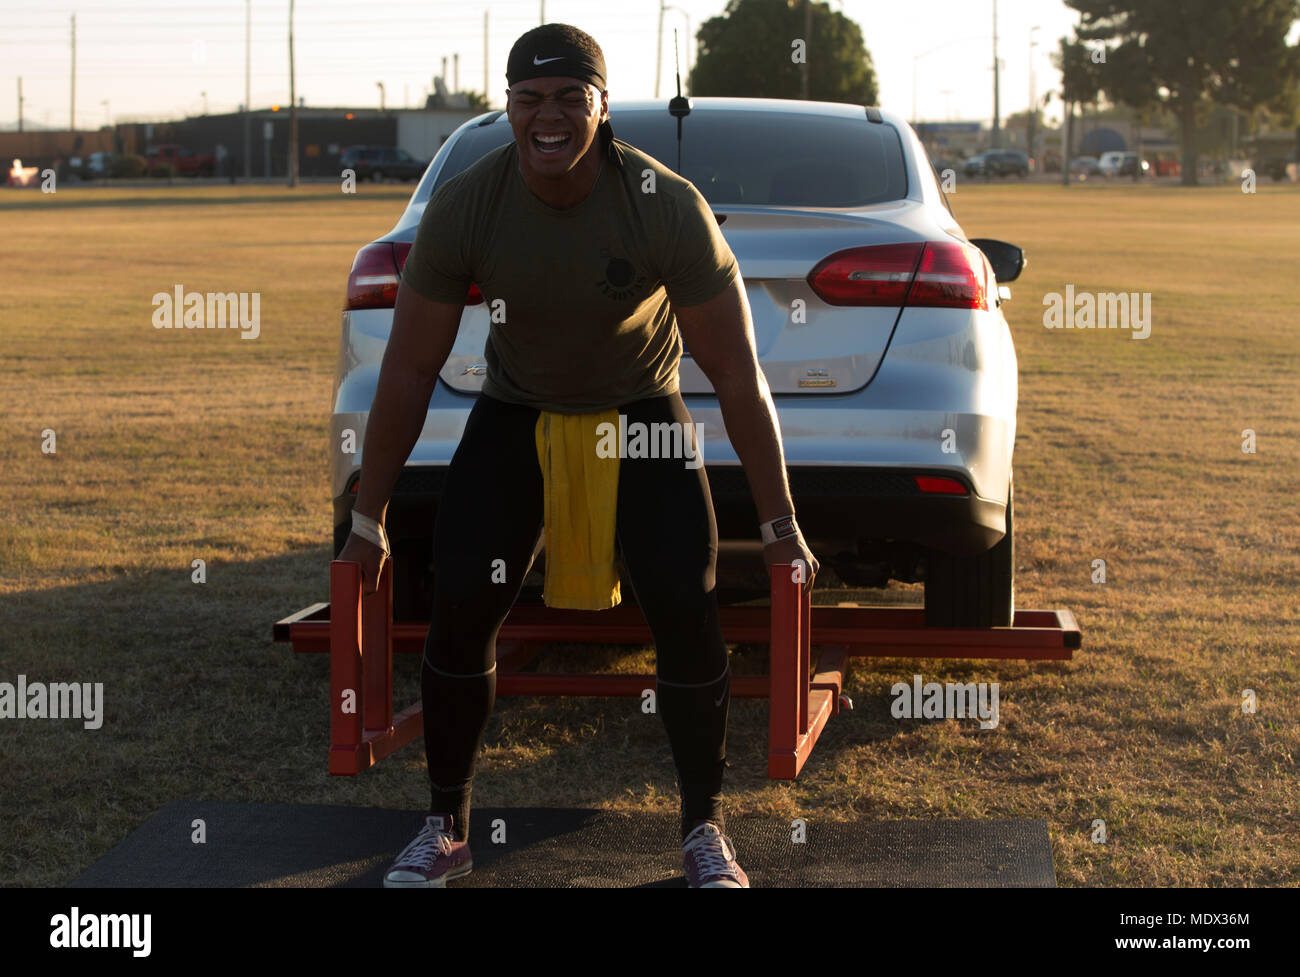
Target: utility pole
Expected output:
[20,103]
[487,99]
[1067,132]
[293,110]
[248,88]
[996,135]
[659,48]
[1031,124]
[807,32]
[543,14]
[455,72]
[72,109]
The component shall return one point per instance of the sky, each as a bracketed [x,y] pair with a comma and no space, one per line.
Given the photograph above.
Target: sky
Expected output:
[155,59]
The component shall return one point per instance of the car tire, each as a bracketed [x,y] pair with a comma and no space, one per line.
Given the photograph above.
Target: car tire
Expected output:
[974,591]
[377,176]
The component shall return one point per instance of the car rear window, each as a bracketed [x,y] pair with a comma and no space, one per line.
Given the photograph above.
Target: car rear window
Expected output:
[744,157]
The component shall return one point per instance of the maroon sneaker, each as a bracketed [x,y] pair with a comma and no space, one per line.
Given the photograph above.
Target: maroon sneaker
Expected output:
[711,859]
[434,857]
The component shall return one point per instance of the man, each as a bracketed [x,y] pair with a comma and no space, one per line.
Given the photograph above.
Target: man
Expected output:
[596,276]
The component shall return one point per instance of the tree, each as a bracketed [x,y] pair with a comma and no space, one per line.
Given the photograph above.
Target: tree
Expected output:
[1079,83]
[749,52]
[1188,55]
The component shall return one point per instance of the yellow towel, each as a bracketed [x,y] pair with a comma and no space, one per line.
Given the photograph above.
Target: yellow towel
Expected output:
[580,505]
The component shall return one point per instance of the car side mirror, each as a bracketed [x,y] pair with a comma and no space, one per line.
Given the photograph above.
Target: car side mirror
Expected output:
[1008,261]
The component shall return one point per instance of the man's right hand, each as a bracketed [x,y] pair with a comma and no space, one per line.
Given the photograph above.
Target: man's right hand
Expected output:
[371,558]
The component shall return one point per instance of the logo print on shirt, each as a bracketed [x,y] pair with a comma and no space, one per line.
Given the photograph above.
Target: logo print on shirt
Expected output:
[621,279]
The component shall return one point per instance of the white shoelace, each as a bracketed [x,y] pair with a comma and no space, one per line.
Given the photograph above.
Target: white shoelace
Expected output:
[712,859]
[428,844]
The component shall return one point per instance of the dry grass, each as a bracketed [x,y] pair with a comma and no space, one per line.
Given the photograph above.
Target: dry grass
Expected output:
[174,446]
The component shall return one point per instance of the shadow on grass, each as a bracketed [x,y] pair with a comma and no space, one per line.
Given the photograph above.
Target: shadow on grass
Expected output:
[200,703]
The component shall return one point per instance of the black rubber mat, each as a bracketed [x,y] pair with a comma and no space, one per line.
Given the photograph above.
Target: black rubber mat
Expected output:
[301,845]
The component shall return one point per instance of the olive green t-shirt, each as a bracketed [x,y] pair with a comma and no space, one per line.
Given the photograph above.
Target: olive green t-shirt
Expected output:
[579,299]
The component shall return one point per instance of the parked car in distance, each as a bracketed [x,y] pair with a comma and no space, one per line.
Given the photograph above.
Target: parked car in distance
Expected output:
[1128,165]
[997,162]
[94,166]
[182,161]
[381,162]
[1109,163]
[1084,167]
[897,398]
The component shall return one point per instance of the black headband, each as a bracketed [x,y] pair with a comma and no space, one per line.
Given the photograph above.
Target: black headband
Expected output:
[541,59]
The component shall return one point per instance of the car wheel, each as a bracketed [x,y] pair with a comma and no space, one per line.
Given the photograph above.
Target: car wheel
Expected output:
[973,591]
[377,176]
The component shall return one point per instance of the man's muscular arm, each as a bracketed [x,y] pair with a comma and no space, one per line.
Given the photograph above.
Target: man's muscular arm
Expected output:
[418,345]
[720,336]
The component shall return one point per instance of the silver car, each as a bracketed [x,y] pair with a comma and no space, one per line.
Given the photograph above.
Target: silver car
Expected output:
[878,325]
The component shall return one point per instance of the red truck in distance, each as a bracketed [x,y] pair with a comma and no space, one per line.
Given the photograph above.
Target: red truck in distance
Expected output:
[185,162]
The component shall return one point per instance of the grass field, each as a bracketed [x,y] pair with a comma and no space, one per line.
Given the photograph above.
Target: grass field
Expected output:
[174,446]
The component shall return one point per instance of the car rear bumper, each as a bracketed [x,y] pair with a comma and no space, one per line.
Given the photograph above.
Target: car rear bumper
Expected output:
[837,508]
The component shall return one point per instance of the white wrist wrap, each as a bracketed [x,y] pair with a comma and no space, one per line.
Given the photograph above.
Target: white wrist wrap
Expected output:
[367,528]
[779,528]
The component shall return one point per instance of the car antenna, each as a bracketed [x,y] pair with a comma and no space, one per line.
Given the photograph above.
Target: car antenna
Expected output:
[678,107]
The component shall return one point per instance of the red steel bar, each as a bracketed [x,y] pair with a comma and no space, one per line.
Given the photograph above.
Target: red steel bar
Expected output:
[377,653]
[805,650]
[615,686]
[783,701]
[360,636]
[867,632]
[345,668]
[361,674]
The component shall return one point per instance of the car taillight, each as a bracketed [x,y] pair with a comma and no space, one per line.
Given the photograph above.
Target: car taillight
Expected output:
[373,281]
[935,274]
[878,275]
[950,276]
[376,273]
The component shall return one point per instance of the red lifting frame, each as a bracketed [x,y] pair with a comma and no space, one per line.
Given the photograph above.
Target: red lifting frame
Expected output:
[360,635]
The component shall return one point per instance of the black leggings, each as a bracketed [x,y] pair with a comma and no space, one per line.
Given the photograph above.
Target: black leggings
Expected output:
[666,532]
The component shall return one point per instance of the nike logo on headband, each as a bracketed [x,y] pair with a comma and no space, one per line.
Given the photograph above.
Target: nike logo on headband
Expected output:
[544,60]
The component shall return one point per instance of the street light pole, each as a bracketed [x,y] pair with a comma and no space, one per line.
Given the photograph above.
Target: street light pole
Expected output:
[807,40]
[996,135]
[293,110]
[248,83]
[1031,126]
[926,54]
[659,48]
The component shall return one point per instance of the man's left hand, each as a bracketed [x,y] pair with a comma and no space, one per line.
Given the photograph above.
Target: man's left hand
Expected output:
[793,550]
